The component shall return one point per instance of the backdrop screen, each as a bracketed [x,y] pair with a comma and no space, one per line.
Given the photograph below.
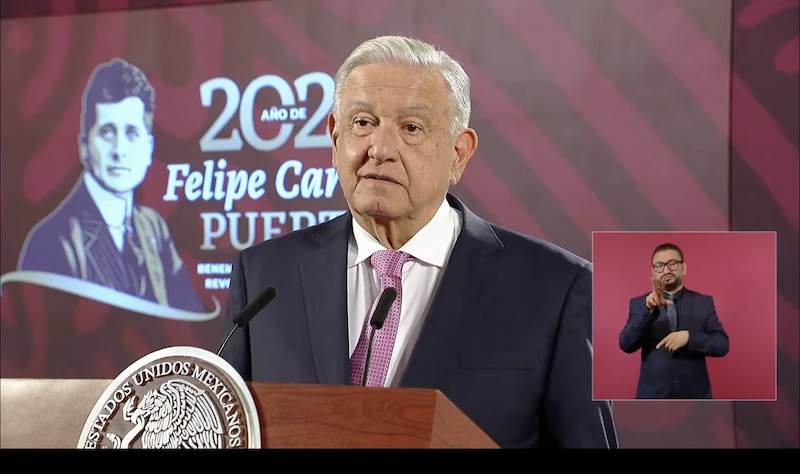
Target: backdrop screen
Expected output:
[592,116]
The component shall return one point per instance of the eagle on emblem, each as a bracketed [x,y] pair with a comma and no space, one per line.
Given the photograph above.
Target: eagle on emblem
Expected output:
[176,415]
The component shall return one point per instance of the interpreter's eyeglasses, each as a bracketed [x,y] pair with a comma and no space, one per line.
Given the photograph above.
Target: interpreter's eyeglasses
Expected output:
[672,265]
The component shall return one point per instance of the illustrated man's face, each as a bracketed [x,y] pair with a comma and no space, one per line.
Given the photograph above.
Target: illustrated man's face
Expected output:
[119,148]
[672,279]
[392,147]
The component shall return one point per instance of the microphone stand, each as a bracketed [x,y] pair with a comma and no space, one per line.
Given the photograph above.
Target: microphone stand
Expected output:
[369,356]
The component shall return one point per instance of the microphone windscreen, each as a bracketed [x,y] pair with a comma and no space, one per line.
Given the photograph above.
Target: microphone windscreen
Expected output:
[254,306]
[382,308]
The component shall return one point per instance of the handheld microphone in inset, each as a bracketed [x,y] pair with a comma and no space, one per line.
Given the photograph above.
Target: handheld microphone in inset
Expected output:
[249,311]
[377,320]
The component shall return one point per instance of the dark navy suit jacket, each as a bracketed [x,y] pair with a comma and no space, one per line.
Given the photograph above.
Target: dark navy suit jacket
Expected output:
[683,373]
[506,336]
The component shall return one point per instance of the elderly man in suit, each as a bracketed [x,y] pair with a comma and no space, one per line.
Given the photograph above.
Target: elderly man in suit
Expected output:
[676,329]
[498,321]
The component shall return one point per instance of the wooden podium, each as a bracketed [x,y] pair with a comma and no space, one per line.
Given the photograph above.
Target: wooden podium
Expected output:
[50,413]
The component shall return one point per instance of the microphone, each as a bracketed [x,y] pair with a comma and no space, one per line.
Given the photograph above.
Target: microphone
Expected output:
[249,311]
[377,320]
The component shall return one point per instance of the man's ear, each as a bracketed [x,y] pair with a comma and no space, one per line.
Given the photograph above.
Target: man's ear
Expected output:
[83,148]
[333,131]
[152,147]
[465,145]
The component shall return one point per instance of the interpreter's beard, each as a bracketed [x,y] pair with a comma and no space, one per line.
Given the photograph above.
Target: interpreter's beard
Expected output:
[671,284]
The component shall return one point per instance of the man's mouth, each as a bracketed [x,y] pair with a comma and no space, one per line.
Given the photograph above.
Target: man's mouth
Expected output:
[380,178]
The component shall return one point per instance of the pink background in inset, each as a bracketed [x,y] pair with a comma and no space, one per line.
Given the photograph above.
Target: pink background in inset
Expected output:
[736,268]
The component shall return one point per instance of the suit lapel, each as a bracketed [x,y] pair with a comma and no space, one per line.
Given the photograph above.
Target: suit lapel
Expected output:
[685,309]
[95,247]
[465,281]
[323,276]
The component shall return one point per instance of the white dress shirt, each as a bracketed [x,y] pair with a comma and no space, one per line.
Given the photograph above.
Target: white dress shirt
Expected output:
[116,211]
[431,248]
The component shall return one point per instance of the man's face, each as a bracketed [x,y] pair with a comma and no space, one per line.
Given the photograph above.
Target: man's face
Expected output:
[119,149]
[672,279]
[392,148]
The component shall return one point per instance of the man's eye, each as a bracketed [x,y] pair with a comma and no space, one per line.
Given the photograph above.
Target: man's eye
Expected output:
[412,127]
[361,122]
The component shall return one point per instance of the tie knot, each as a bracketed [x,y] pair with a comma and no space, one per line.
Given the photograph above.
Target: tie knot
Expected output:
[669,296]
[389,263]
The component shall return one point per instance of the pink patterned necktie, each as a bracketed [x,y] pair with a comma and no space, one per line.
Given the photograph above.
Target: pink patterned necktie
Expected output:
[389,266]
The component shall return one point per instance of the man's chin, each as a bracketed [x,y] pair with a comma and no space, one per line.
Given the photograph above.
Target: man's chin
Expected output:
[377,202]
[121,186]
[671,285]
[378,209]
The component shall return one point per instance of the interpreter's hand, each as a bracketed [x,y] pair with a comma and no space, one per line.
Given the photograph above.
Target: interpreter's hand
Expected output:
[656,297]
[674,340]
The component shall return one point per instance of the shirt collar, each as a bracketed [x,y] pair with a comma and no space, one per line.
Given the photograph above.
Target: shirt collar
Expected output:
[427,245]
[677,296]
[115,210]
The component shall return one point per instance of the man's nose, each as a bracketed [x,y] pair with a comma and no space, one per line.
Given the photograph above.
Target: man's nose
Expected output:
[383,143]
[121,147]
